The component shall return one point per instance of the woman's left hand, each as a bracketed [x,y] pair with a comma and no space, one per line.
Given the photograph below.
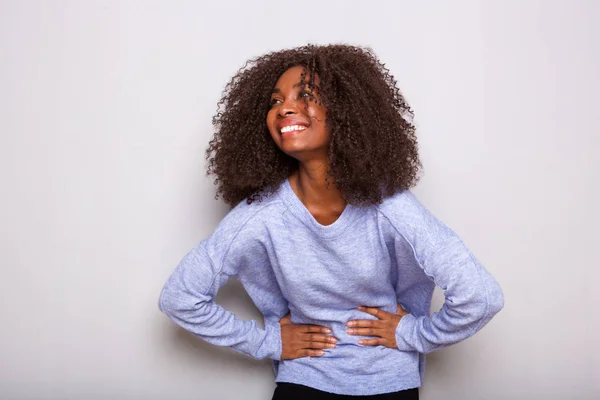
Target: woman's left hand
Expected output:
[383,328]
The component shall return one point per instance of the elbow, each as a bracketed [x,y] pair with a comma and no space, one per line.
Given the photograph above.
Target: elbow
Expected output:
[483,306]
[495,299]
[491,304]
[164,301]
[179,305]
[170,301]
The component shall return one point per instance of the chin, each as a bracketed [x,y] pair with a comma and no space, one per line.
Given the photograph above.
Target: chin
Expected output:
[301,153]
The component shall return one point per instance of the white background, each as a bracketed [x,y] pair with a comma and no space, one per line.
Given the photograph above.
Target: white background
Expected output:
[105,112]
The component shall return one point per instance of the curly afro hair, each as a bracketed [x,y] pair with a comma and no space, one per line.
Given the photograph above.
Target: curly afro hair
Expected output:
[373,149]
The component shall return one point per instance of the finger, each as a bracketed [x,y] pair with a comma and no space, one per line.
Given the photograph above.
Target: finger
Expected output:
[286,320]
[319,345]
[364,331]
[309,353]
[313,337]
[365,323]
[373,311]
[315,329]
[372,342]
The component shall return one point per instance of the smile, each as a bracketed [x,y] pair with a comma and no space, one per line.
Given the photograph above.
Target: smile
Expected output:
[292,128]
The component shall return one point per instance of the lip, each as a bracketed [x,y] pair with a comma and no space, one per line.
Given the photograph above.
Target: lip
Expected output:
[289,122]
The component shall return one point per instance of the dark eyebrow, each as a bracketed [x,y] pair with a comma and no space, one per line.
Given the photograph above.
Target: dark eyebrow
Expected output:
[299,84]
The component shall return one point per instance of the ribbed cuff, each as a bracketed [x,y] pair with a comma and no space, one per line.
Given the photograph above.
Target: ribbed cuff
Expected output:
[271,347]
[404,330]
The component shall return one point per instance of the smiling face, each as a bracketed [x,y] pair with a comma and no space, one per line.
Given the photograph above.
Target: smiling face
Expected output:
[296,119]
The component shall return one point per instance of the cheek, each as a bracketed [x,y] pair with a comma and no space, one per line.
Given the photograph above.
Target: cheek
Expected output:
[318,117]
[269,119]
[316,112]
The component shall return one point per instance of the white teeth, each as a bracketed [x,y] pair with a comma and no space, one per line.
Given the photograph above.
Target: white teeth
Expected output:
[292,128]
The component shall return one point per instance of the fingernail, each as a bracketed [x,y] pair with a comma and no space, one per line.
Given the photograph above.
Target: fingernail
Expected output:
[333,340]
[361,342]
[350,331]
[350,323]
[321,352]
[327,330]
[330,345]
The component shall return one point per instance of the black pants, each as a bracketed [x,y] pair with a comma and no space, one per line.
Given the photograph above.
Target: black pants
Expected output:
[291,391]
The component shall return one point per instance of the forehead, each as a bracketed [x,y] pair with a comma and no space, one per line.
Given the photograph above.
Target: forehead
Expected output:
[292,77]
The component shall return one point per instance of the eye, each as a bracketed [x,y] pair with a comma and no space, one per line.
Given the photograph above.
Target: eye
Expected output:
[274,101]
[306,94]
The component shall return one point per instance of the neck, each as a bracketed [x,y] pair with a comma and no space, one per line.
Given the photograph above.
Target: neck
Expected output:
[309,183]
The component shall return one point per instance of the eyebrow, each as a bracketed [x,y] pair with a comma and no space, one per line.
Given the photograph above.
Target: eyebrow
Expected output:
[299,84]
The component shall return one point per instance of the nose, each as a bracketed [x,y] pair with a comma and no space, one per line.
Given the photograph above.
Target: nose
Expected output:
[288,108]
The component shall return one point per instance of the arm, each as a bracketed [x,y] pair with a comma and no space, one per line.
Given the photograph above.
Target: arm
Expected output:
[187,298]
[472,296]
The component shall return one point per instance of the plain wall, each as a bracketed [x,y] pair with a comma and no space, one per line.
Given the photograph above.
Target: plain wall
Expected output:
[105,113]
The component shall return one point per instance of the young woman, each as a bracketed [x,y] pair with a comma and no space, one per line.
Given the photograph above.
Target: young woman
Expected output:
[315,150]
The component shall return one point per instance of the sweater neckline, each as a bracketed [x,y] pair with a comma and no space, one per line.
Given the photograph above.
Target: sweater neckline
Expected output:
[299,210]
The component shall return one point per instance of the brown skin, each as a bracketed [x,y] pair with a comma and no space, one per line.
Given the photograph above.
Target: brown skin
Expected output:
[293,104]
[304,340]
[369,138]
[383,329]
[372,145]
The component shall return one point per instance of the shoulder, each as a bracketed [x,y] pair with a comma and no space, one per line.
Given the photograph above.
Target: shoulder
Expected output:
[246,216]
[409,217]
[244,225]
[402,206]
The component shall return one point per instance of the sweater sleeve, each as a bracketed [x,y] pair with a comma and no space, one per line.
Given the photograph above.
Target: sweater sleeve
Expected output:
[472,295]
[187,298]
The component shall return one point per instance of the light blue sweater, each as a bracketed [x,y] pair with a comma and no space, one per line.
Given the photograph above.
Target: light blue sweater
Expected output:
[375,256]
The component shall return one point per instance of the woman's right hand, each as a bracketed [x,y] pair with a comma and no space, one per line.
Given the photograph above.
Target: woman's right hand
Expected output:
[304,340]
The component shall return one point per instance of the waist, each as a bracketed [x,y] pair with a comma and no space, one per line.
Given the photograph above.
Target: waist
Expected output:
[352,369]
[336,318]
